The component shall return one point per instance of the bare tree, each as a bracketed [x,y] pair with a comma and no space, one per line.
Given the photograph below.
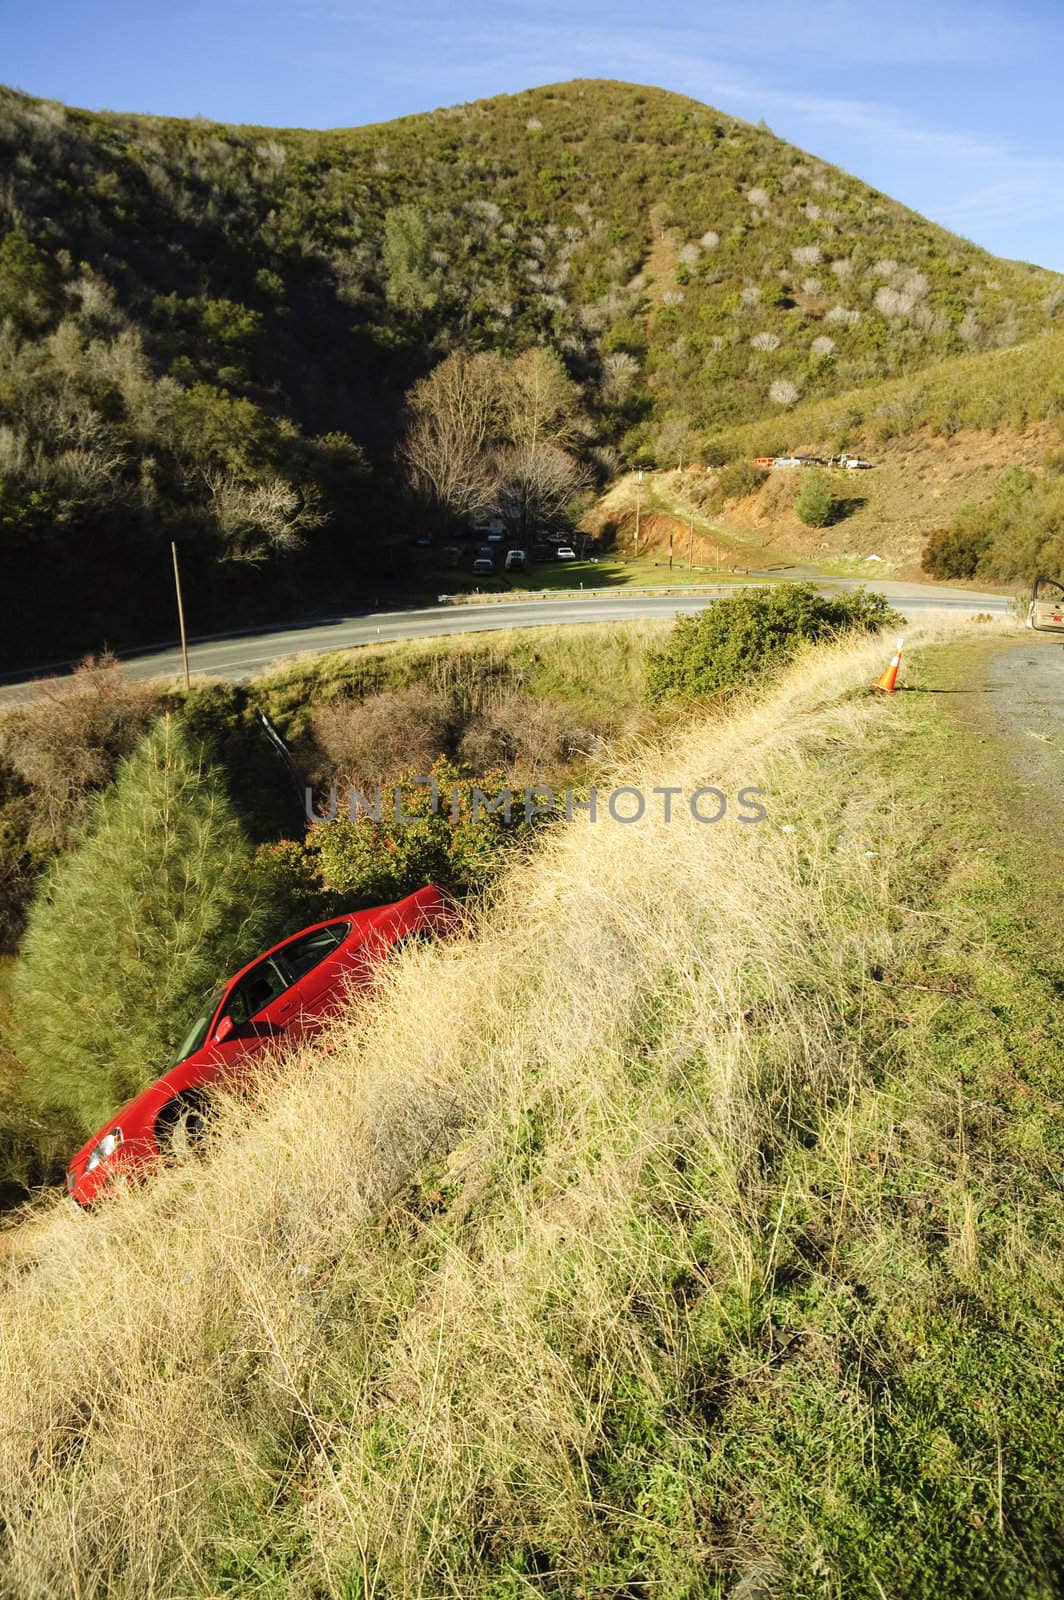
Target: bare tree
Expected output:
[455,418]
[535,484]
[541,401]
[259,518]
[676,442]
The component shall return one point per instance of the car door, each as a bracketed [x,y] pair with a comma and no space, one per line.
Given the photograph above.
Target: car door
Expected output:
[1046,612]
[249,1021]
[321,969]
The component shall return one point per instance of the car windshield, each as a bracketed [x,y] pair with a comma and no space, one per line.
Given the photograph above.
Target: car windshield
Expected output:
[197,1035]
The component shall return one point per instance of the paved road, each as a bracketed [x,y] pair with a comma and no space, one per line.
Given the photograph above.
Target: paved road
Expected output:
[239,656]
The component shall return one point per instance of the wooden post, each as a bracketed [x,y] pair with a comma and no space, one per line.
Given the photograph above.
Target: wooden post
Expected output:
[181,616]
[638,505]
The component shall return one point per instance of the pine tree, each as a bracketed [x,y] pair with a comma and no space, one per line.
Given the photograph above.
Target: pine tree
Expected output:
[133,929]
[816,499]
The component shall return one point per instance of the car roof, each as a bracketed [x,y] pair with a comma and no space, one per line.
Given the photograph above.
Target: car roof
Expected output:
[365,919]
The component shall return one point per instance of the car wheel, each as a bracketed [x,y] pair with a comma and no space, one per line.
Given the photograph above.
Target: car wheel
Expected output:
[180,1124]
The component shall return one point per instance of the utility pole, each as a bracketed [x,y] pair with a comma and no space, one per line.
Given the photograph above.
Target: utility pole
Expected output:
[638,505]
[670,546]
[181,615]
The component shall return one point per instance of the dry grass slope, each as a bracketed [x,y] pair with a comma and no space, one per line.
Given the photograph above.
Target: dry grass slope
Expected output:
[419,1325]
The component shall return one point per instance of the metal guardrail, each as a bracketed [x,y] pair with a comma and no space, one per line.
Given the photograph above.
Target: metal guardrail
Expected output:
[517,596]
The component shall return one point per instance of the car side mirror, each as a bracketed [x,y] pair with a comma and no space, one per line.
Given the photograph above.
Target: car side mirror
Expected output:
[224,1029]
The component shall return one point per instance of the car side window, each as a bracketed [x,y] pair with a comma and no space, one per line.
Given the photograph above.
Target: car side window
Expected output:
[304,954]
[255,991]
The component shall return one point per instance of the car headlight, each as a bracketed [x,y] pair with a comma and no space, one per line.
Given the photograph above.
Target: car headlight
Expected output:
[106,1148]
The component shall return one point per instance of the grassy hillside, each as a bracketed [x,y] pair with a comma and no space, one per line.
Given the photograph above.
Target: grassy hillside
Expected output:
[208,330]
[690,1225]
[1009,390]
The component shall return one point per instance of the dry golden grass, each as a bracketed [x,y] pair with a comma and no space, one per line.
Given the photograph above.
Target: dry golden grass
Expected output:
[375,1339]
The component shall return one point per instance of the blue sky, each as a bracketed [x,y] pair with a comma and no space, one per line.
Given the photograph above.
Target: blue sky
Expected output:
[954,108]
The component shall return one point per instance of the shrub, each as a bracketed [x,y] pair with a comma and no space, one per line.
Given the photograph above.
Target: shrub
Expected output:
[375,739]
[815,504]
[747,636]
[66,743]
[734,482]
[1017,534]
[131,931]
[740,479]
[523,733]
[953,553]
[286,876]
[375,861]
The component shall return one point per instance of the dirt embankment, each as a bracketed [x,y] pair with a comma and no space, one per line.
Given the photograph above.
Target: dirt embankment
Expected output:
[916,485]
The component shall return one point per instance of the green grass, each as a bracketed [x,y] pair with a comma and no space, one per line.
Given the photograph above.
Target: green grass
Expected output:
[644,573]
[597,669]
[996,388]
[893,1407]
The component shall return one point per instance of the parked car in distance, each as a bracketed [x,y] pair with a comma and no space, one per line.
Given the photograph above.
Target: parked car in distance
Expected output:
[483,566]
[496,538]
[424,543]
[565,552]
[1045,614]
[282,997]
[764,461]
[854,464]
[516,561]
[542,552]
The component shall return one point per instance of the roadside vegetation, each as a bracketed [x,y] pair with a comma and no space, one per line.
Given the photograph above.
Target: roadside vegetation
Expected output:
[152,841]
[160,871]
[1017,533]
[747,638]
[689,1224]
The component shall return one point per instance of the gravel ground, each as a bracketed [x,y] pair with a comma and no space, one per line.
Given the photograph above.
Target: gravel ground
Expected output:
[1024,708]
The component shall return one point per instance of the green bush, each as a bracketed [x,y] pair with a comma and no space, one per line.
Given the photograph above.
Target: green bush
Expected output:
[380,861]
[740,479]
[1017,534]
[747,636]
[286,876]
[131,930]
[953,552]
[815,505]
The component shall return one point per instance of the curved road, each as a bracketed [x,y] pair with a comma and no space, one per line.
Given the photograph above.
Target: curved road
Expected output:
[243,655]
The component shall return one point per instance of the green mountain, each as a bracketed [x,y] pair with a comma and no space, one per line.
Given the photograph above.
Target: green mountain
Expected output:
[207,331]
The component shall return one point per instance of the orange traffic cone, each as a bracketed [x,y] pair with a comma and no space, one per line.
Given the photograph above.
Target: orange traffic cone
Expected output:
[887,682]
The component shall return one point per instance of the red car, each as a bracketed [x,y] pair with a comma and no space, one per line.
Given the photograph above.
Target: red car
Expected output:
[288,993]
